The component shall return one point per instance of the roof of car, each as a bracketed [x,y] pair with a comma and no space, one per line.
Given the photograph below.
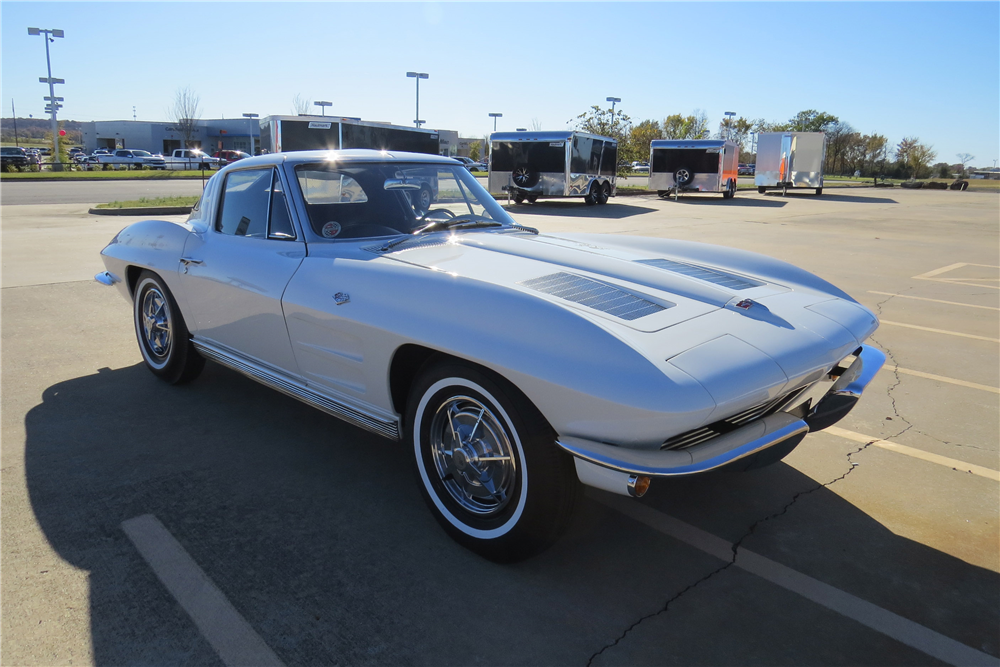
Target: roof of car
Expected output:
[350,155]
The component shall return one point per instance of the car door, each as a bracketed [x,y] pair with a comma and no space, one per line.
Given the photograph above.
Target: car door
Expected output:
[234,273]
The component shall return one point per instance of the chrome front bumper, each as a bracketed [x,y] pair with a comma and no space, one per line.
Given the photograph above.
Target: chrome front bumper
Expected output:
[776,429]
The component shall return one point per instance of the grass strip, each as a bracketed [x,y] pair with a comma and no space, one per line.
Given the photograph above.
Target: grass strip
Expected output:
[110,175]
[151,202]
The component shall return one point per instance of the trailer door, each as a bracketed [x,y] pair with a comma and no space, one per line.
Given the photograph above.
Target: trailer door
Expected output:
[785,168]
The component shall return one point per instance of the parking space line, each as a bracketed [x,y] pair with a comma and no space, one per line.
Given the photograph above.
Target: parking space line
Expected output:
[961,466]
[941,378]
[940,331]
[923,298]
[937,272]
[870,615]
[226,630]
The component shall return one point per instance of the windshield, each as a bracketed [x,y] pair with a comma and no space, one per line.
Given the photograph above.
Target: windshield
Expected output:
[360,200]
[142,154]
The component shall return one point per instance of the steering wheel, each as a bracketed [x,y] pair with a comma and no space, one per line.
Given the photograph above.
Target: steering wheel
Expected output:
[433,212]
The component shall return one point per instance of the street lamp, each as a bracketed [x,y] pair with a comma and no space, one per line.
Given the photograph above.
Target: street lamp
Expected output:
[418,76]
[614,101]
[52,102]
[494,116]
[250,117]
[323,104]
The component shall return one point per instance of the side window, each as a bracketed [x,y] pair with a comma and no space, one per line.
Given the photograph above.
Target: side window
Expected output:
[245,203]
[595,156]
[580,158]
[281,222]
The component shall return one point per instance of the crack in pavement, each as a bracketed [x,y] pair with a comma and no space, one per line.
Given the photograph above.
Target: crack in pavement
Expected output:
[753,527]
[895,371]
[735,547]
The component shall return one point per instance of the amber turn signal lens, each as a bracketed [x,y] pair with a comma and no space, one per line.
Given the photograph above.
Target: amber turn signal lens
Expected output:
[638,485]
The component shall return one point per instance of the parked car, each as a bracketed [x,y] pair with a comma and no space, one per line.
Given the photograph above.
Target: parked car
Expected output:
[225,157]
[513,365]
[126,157]
[13,157]
[640,167]
[745,170]
[470,164]
[191,158]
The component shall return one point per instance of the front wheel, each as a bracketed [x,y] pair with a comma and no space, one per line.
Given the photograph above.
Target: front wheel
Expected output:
[592,196]
[162,333]
[487,463]
[761,189]
[819,191]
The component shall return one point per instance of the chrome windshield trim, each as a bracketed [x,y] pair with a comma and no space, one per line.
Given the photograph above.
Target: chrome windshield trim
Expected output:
[871,361]
[750,439]
[386,428]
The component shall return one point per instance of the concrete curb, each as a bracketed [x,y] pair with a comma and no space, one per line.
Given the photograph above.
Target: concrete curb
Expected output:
[149,210]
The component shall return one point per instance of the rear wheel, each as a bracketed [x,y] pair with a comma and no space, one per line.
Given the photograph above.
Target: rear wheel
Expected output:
[605,193]
[819,191]
[518,197]
[761,189]
[592,195]
[161,332]
[531,198]
[487,463]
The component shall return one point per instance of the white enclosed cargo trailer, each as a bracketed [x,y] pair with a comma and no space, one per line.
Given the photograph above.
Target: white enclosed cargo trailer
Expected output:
[787,160]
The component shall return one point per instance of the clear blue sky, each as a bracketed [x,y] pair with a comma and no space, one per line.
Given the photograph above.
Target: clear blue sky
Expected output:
[930,70]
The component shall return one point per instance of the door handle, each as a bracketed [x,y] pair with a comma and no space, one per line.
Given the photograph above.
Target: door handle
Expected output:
[190,260]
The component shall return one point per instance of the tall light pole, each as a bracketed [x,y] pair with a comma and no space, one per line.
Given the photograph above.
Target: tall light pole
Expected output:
[52,101]
[494,116]
[250,117]
[418,76]
[614,101]
[729,125]
[323,104]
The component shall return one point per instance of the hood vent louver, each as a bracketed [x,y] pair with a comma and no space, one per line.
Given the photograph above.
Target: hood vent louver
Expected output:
[714,276]
[594,294]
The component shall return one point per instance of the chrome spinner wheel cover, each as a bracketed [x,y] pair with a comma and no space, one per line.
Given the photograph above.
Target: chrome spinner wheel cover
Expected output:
[472,455]
[156,326]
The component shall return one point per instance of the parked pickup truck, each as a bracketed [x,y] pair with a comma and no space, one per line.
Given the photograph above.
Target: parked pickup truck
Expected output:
[126,157]
[191,158]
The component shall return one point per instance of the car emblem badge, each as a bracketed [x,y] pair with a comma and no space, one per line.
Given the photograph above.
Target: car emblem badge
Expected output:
[340,298]
[744,304]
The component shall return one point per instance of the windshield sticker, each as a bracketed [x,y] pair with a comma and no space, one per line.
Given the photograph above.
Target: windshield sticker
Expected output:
[331,229]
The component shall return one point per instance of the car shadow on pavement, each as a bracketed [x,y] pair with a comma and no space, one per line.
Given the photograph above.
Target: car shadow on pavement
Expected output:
[577,209]
[316,533]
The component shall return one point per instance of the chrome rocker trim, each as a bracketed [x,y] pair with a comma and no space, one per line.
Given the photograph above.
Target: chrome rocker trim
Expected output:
[387,429]
[750,439]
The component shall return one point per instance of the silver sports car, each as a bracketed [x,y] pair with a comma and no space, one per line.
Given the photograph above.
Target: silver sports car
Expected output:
[392,291]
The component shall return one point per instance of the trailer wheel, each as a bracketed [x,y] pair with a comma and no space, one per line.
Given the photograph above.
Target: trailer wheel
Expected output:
[524,177]
[683,176]
[592,196]
[819,191]
[518,197]
[603,192]
[531,198]
[730,190]
[761,189]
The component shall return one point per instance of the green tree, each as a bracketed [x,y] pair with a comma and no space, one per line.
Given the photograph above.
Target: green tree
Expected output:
[811,120]
[677,126]
[914,157]
[610,124]
[641,136]
[474,150]
[735,130]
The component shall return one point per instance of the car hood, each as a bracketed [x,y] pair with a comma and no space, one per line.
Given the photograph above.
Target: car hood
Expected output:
[739,322]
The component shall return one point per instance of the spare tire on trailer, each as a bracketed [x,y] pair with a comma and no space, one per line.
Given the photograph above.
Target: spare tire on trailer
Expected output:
[524,177]
[683,177]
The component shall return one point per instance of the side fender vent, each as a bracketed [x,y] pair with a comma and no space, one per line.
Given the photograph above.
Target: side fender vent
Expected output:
[594,294]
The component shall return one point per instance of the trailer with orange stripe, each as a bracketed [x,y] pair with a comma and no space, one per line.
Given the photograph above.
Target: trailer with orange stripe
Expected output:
[693,165]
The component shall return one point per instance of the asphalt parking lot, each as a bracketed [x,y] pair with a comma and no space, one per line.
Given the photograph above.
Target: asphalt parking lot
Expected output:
[291,537]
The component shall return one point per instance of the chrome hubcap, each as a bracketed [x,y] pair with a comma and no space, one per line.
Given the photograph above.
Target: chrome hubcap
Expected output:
[472,455]
[520,175]
[156,322]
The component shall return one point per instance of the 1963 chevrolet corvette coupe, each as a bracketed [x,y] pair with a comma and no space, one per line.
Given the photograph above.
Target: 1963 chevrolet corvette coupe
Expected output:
[392,291]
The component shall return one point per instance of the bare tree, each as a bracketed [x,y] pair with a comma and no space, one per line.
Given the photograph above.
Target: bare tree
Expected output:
[301,104]
[914,156]
[965,159]
[185,113]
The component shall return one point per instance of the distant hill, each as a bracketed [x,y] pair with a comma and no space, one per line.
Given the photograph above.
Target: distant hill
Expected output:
[37,129]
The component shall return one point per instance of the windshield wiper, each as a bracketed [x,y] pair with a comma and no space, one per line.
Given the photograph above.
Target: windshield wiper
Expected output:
[460,222]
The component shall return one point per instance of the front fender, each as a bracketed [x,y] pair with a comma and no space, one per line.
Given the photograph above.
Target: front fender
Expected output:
[156,245]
